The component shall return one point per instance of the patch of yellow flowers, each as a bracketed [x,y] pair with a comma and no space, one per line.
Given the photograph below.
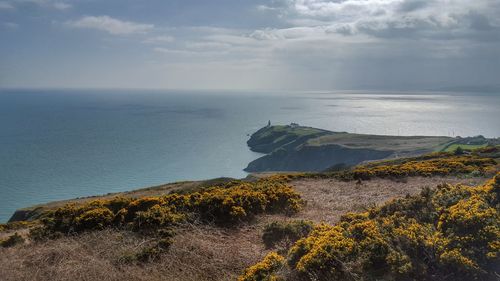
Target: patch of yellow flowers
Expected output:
[451,232]
[221,205]
[264,270]
[434,164]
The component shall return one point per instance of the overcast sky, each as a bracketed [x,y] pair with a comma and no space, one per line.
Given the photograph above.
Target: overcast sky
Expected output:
[243,44]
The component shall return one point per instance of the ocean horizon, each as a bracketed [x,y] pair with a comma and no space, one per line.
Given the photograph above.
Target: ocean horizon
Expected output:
[62,144]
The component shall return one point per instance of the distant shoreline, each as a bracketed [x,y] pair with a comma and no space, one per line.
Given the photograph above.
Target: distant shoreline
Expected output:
[298,148]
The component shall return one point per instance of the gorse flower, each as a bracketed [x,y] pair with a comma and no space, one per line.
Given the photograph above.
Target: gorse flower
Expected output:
[447,233]
[264,270]
[223,205]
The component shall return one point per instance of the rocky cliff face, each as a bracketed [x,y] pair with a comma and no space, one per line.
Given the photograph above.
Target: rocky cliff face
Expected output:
[287,149]
[313,158]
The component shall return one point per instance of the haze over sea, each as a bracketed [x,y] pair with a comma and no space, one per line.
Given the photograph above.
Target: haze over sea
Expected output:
[61,144]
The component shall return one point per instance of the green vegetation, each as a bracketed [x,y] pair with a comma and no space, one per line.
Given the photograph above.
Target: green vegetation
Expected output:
[428,165]
[36,212]
[276,232]
[479,163]
[296,148]
[155,217]
[15,225]
[270,138]
[264,270]
[453,147]
[220,205]
[447,233]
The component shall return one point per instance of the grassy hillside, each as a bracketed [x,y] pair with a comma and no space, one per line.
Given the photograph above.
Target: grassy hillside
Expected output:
[297,148]
[447,233]
[454,147]
[37,211]
[296,224]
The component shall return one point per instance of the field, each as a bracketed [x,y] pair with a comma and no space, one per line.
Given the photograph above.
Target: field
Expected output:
[453,147]
[379,142]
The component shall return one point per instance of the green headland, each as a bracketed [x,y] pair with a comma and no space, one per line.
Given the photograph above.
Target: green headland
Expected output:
[298,148]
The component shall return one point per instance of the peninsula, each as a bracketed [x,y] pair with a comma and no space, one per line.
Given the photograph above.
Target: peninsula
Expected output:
[298,148]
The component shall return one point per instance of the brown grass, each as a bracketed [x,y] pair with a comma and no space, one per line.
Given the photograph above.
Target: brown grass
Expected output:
[199,252]
[328,199]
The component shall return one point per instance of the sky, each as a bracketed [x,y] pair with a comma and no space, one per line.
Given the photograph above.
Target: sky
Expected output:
[243,44]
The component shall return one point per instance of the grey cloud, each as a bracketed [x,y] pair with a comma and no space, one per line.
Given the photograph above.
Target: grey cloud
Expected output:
[479,21]
[412,5]
[432,19]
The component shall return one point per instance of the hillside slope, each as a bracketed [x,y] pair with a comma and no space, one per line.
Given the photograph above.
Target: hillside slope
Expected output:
[214,233]
[297,148]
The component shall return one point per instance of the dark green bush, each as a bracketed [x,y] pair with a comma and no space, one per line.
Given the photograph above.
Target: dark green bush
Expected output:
[276,232]
[459,150]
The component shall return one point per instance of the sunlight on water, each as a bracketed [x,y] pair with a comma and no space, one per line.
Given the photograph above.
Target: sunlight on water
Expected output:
[62,144]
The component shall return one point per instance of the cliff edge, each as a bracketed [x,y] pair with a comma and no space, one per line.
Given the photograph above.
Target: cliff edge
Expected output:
[298,148]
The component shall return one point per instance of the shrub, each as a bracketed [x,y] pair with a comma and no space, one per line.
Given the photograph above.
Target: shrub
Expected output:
[459,151]
[229,205]
[12,240]
[448,233]
[430,165]
[97,218]
[16,225]
[156,216]
[225,204]
[276,232]
[264,270]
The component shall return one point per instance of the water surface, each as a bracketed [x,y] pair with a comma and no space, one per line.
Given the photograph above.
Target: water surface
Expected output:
[60,144]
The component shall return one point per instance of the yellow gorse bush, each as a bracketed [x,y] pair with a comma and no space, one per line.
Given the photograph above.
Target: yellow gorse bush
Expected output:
[222,205]
[447,233]
[430,165]
[264,270]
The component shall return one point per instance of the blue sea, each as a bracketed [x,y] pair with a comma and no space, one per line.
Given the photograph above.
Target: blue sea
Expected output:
[61,144]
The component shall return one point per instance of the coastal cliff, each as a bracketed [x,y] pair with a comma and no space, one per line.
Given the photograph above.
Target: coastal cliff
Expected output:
[298,148]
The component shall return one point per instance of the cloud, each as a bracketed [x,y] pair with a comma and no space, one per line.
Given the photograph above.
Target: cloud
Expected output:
[265,8]
[159,39]
[208,45]
[412,5]
[191,53]
[294,44]
[395,18]
[111,25]
[62,6]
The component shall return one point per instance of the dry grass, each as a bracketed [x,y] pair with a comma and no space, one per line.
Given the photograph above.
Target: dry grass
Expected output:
[328,199]
[199,252]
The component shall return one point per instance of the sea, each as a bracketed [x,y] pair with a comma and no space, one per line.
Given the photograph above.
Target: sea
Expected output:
[61,144]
